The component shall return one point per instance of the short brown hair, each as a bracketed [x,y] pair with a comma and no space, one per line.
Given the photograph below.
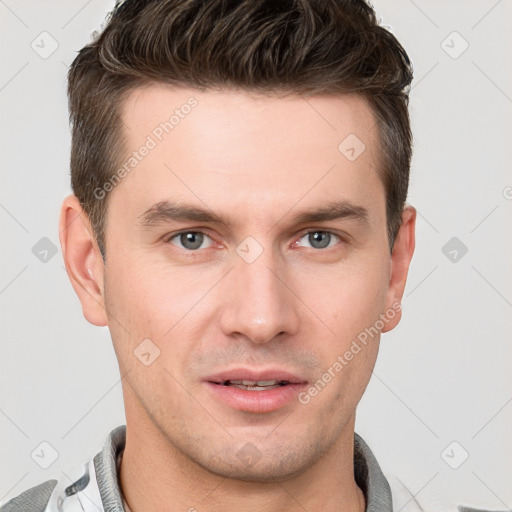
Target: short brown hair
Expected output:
[308,47]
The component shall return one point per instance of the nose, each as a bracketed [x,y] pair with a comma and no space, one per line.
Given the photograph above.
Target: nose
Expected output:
[260,304]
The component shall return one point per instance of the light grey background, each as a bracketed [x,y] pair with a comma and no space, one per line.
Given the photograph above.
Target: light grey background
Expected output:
[442,376]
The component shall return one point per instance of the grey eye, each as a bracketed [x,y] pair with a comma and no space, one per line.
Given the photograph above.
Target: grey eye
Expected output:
[319,239]
[190,240]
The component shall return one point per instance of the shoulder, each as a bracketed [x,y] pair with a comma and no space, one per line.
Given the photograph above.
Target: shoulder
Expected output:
[85,487]
[34,499]
[405,501]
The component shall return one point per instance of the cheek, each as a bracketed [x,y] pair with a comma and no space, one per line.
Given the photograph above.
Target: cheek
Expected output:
[348,298]
[351,306]
[150,299]
[160,303]
[134,306]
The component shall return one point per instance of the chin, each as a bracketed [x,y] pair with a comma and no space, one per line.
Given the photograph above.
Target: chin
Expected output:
[248,464]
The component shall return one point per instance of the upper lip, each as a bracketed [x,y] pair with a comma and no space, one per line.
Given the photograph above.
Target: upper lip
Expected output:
[255,376]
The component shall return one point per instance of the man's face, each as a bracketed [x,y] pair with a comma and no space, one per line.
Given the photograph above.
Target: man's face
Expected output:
[261,294]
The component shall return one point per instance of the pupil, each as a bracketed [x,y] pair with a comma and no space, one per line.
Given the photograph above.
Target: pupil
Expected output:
[319,236]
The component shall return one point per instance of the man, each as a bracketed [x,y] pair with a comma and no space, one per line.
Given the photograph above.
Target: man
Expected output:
[239,221]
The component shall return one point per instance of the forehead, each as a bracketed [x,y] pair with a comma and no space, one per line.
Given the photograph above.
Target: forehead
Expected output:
[230,116]
[265,150]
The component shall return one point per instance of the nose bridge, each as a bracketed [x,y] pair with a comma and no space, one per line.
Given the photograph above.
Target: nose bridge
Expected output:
[259,305]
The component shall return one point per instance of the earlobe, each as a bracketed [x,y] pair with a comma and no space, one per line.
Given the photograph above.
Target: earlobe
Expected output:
[401,256]
[83,260]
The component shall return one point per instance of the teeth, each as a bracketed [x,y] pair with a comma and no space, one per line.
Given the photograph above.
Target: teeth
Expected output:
[259,383]
[255,388]
[252,385]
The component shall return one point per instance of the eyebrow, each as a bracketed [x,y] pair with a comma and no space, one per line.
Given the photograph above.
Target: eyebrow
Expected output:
[166,211]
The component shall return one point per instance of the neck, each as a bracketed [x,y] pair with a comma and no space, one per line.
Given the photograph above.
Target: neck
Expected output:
[155,475]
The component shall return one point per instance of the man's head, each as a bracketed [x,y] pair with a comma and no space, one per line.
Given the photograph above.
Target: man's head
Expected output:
[265,149]
[276,48]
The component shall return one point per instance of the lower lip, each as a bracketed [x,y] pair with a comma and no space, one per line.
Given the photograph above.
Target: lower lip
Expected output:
[256,401]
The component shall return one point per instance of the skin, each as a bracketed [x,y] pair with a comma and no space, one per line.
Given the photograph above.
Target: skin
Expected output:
[257,160]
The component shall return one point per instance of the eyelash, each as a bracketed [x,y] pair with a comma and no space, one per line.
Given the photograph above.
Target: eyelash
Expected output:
[191,252]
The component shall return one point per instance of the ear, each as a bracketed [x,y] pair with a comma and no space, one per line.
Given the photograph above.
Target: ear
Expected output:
[403,249]
[83,260]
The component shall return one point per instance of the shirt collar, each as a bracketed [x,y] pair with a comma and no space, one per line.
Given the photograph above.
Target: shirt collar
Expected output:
[370,478]
[368,475]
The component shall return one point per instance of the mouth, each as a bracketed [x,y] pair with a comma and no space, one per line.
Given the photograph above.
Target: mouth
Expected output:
[255,391]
